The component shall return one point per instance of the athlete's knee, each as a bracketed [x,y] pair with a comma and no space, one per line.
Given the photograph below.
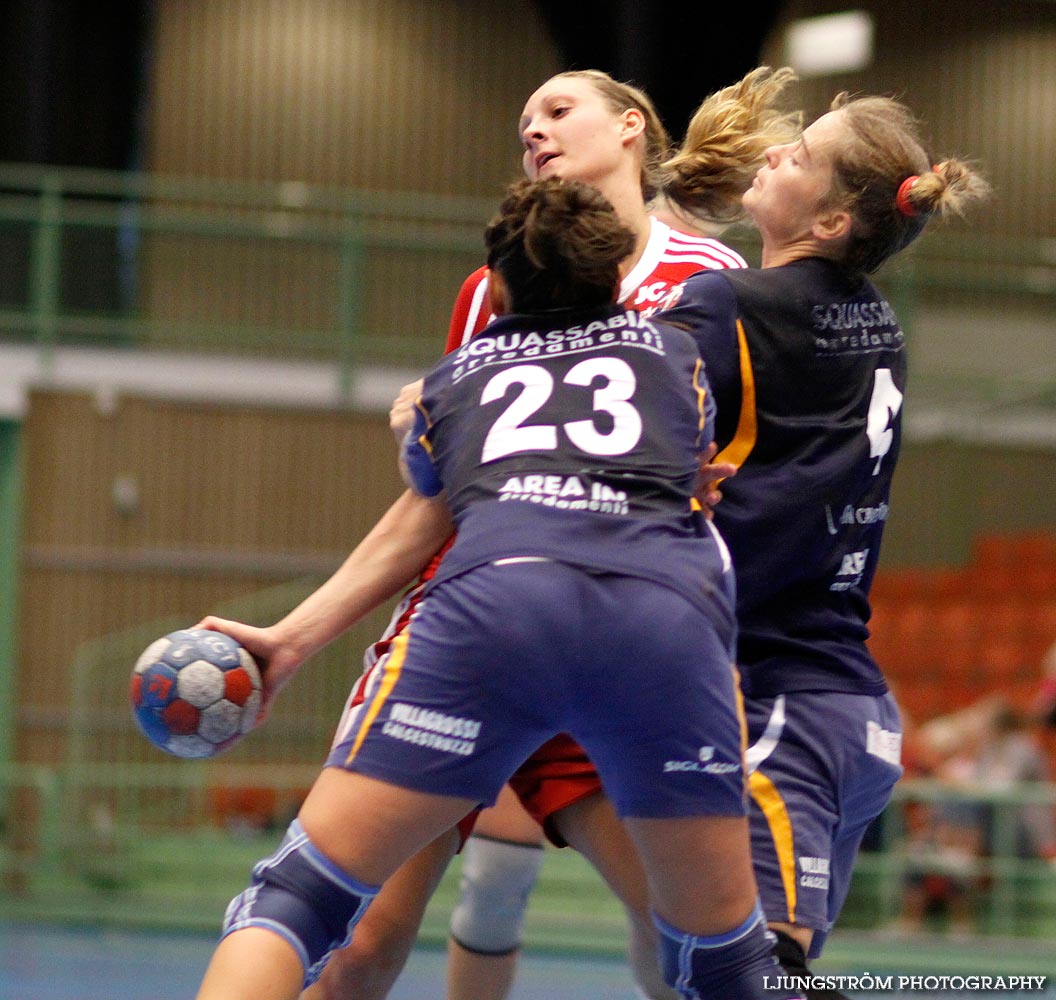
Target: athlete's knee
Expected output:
[301,895]
[497,878]
[738,963]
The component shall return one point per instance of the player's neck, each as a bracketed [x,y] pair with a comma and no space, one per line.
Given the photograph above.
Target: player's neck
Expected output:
[625,195]
[785,253]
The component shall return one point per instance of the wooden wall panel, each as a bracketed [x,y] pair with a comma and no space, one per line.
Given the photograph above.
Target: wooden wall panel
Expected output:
[231,501]
[366,95]
[208,477]
[983,78]
[385,95]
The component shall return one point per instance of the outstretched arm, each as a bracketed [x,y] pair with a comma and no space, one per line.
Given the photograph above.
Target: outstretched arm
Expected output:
[396,549]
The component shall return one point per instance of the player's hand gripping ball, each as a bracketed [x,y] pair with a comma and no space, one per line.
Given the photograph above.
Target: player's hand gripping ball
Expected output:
[195,692]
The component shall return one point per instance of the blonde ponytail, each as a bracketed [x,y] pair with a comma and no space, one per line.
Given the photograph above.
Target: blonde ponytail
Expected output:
[724,145]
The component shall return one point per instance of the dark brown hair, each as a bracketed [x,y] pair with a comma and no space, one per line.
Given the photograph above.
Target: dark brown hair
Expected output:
[558,245]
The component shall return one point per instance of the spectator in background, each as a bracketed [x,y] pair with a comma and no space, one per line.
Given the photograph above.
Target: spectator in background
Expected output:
[986,748]
[1044,707]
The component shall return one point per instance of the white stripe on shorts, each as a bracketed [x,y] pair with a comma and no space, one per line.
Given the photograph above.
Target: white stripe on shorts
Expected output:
[767,743]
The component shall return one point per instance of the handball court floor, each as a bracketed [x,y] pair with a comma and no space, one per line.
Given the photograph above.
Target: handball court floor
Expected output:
[48,962]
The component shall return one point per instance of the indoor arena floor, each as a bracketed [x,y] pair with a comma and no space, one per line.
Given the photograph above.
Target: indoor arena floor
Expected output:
[47,962]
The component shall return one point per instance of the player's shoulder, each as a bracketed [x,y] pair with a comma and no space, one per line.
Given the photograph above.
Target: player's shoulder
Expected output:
[476,278]
[471,311]
[711,287]
[474,289]
[700,252]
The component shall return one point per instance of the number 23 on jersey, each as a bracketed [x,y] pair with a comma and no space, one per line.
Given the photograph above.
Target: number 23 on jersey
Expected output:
[512,433]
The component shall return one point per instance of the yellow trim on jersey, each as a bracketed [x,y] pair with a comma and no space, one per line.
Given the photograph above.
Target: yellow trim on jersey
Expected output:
[702,396]
[769,800]
[747,426]
[390,675]
[742,717]
[423,439]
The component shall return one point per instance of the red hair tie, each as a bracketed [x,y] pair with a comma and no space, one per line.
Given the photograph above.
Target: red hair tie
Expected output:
[902,202]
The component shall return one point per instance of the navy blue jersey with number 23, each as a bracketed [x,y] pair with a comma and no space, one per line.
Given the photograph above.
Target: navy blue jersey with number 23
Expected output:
[575,441]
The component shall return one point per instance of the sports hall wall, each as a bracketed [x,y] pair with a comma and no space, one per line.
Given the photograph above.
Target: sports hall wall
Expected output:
[148,511]
[980,75]
[362,95]
[983,79]
[140,510]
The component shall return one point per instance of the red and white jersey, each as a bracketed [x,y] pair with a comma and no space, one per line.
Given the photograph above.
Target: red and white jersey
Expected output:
[669,258]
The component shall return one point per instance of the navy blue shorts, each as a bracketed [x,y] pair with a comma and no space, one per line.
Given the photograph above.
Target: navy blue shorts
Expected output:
[821,767]
[496,661]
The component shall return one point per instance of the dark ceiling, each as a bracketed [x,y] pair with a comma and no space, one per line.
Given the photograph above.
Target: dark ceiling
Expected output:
[72,71]
[677,51]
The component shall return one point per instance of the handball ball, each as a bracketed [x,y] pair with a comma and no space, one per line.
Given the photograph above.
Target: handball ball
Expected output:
[195,692]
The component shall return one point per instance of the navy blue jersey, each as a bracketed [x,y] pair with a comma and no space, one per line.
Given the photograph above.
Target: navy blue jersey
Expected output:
[808,370]
[576,441]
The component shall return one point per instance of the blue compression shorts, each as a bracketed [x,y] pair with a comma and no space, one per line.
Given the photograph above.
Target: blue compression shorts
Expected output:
[822,766]
[496,661]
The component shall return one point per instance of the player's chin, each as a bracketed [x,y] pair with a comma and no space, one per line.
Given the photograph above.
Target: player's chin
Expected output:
[549,170]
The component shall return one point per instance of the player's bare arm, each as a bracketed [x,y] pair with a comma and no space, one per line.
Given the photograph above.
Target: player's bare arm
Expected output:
[390,556]
[401,414]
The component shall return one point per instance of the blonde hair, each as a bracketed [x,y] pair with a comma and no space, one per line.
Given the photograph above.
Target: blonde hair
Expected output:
[725,140]
[724,145]
[889,183]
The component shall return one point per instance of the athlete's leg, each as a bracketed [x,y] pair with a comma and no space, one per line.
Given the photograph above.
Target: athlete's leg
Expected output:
[355,832]
[500,864]
[678,782]
[814,790]
[714,944]
[370,965]
[791,954]
[592,827]
[423,727]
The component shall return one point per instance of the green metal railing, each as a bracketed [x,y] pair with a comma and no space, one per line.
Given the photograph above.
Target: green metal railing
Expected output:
[117,831]
[156,867]
[134,260]
[10,531]
[1009,893]
[291,270]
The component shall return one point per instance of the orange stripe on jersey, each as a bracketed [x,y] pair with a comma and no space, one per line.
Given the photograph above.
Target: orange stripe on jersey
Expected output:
[423,440]
[742,717]
[766,796]
[702,396]
[740,447]
[391,668]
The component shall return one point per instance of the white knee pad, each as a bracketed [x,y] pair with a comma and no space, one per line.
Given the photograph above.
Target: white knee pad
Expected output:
[497,878]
